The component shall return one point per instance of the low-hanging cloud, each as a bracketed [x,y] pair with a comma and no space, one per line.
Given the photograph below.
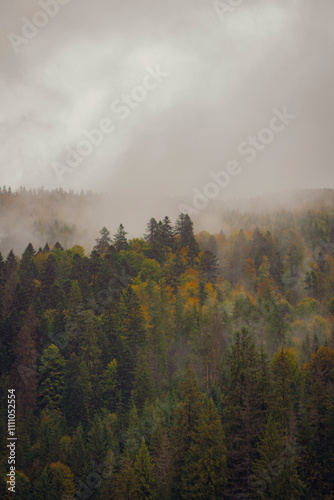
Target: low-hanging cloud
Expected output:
[225,78]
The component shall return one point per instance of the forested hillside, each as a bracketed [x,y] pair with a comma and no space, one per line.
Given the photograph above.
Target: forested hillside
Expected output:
[174,366]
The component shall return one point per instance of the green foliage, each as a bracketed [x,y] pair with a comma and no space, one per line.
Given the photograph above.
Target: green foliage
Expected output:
[105,343]
[52,378]
[145,483]
[208,473]
[275,472]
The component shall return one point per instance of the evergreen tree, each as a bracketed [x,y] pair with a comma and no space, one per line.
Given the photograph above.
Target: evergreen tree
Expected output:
[98,441]
[162,459]
[78,458]
[78,392]
[186,418]
[103,242]
[285,381]
[109,386]
[52,378]
[49,435]
[24,373]
[58,246]
[144,475]
[208,472]
[143,386]
[120,241]
[126,480]
[168,233]
[184,229]
[10,277]
[275,472]
[242,414]
[46,248]
[151,231]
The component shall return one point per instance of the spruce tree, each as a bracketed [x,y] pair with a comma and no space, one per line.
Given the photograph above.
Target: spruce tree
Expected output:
[184,229]
[186,418]
[126,479]
[103,242]
[145,481]
[208,472]
[242,412]
[275,472]
[52,374]
[78,457]
[120,242]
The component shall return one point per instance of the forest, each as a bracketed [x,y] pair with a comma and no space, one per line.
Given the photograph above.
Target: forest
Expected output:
[173,366]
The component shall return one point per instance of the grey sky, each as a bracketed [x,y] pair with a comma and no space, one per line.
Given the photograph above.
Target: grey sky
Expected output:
[225,78]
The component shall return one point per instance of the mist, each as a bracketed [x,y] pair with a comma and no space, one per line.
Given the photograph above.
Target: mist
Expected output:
[221,76]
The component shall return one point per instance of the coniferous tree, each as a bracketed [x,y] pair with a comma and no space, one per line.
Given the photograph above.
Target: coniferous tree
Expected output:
[120,242]
[98,441]
[285,381]
[186,418]
[184,229]
[103,242]
[52,374]
[275,472]
[126,479]
[151,230]
[168,233]
[242,414]
[78,457]
[78,392]
[24,373]
[208,473]
[145,482]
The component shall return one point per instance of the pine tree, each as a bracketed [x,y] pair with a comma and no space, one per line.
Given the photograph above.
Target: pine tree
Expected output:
[10,276]
[133,321]
[52,374]
[285,373]
[168,233]
[151,231]
[109,386]
[120,241]
[25,362]
[208,471]
[186,417]
[42,486]
[275,472]
[126,480]
[184,229]
[144,475]
[78,392]
[162,459]
[103,242]
[242,414]
[46,248]
[98,441]
[58,246]
[319,407]
[49,435]
[27,275]
[132,436]
[78,458]
[143,385]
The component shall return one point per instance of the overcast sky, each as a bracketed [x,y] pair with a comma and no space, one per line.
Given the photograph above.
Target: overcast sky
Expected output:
[226,74]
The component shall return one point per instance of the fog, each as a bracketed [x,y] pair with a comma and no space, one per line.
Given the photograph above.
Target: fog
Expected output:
[221,78]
